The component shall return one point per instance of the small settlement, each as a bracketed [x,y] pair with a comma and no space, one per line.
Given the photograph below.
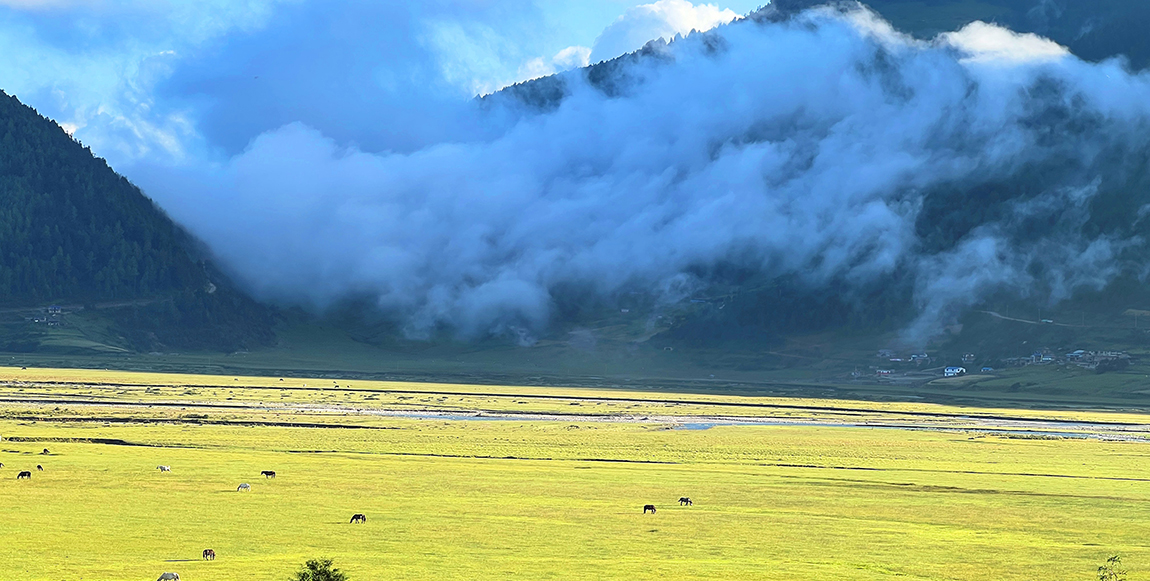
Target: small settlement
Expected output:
[51,316]
[919,364]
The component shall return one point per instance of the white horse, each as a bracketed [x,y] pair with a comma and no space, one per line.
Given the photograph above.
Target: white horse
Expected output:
[244,486]
[169,577]
[164,468]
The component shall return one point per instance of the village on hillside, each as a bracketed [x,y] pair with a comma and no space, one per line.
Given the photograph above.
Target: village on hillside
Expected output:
[921,365]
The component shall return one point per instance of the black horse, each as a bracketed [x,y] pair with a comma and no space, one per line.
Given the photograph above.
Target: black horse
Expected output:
[685,501]
[359,518]
[209,555]
[268,473]
[649,507]
[39,468]
[45,452]
[24,474]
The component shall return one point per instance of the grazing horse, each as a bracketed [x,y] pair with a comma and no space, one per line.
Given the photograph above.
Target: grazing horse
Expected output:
[164,468]
[45,452]
[685,501]
[244,486]
[268,473]
[209,555]
[359,518]
[169,577]
[24,474]
[649,507]
[39,468]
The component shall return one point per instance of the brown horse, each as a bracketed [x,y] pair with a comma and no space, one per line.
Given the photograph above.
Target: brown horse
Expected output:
[362,518]
[209,555]
[268,473]
[685,501]
[24,474]
[649,507]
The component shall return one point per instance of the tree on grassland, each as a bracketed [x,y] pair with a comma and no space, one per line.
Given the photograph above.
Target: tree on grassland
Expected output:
[319,570]
[1112,570]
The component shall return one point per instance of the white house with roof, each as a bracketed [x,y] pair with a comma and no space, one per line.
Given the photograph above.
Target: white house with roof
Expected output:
[954,371]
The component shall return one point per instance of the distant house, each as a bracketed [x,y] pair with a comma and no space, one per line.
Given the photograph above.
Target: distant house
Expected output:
[54,310]
[885,353]
[1076,355]
[968,358]
[884,372]
[987,369]
[954,371]
[917,356]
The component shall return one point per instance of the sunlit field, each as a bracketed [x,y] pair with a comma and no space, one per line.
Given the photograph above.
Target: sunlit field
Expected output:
[532,499]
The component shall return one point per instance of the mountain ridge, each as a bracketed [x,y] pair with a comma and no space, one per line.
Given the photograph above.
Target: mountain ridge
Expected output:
[73,230]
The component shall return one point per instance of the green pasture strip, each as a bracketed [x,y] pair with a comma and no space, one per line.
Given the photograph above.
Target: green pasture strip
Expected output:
[849,449]
[442,502]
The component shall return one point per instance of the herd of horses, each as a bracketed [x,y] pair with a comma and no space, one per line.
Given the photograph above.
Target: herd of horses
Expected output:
[683,501]
[210,555]
[27,474]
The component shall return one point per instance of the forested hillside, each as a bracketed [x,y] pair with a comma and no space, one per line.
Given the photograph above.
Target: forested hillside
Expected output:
[1091,29]
[72,228]
[74,231]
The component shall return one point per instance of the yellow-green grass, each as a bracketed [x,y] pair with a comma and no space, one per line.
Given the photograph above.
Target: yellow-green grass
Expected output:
[295,393]
[444,502]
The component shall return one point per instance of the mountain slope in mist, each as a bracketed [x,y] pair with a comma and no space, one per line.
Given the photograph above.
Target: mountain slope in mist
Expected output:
[817,168]
[72,231]
[1093,30]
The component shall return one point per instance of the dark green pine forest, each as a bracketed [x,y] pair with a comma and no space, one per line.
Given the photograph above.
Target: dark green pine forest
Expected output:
[73,231]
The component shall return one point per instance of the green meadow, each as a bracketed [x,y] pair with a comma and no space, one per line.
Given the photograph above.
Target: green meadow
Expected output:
[516,498]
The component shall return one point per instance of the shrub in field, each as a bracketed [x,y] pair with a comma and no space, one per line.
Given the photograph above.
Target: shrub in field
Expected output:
[319,570]
[1112,570]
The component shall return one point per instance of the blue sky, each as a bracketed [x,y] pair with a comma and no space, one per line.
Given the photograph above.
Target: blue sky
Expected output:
[170,81]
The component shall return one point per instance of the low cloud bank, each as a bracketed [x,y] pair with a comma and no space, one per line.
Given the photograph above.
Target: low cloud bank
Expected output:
[815,147]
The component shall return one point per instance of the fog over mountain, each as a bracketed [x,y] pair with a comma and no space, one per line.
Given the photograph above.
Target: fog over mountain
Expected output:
[823,145]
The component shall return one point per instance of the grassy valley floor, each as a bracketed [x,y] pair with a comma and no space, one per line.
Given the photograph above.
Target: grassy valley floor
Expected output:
[552,483]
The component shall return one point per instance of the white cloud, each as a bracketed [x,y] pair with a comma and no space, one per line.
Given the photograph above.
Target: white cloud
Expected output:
[569,58]
[572,57]
[986,42]
[664,18]
[94,65]
[817,165]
